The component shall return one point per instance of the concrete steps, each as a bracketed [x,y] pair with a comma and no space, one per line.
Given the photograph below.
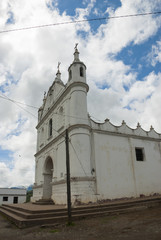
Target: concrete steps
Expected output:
[27,216]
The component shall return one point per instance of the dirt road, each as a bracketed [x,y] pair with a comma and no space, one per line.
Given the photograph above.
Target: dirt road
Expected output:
[144,224]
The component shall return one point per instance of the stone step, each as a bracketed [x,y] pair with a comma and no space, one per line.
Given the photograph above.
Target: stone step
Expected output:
[119,205]
[22,223]
[35,215]
[122,203]
[31,211]
[82,210]
[93,207]
[26,217]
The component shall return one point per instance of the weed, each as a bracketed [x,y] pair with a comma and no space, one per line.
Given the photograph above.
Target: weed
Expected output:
[70,224]
[54,230]
[108,218]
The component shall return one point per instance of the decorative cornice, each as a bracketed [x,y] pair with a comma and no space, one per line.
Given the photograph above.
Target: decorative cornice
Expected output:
[108,128]
[83,179]
[126,135]
[63,181]
[75,179]
[37,186]
[70,128]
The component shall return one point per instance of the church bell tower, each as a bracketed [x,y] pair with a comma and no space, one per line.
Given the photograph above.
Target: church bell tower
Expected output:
[77,70]
[64,107]
[79,89]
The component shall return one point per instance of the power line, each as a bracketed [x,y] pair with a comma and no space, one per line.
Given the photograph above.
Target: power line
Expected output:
[59,114]
[79,21]
[26,111]
[82,167]
[14,101]
[7,98]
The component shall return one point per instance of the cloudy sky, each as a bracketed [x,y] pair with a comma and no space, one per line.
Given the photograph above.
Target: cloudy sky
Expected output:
[122,55]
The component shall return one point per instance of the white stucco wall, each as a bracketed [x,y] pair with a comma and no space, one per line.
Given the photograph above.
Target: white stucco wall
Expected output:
[118,174]
[148,172]
[80,152]
[82,190]
[10,194]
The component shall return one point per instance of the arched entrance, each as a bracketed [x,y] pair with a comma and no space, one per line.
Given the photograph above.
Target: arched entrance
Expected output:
[48,174]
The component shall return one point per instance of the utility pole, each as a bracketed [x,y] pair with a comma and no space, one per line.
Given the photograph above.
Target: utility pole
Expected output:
[68,178]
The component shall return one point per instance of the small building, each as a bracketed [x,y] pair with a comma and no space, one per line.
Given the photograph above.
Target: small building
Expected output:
[106,161]
[12,196]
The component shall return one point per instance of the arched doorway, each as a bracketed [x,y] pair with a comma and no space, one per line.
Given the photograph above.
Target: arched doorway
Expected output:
[48,174]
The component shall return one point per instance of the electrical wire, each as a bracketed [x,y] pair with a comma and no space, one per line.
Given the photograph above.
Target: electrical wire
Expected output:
[31,106]
[15,102]
[25,110]
[79,21]
[82,167]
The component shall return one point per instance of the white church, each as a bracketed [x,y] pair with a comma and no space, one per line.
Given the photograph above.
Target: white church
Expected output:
[106,161]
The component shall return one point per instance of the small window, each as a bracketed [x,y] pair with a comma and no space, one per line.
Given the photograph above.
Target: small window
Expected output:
[139,154]
[5,199]
[70,74]
[81,71]
[50,127]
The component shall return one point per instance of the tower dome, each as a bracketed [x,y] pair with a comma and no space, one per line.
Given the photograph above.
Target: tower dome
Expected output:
[77,70]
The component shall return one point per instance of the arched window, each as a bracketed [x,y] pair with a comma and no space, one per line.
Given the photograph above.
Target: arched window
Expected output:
[81,71]
[70,74]
[60,118]
[50,127]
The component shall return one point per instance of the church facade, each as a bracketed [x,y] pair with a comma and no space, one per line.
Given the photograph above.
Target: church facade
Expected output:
[106,161]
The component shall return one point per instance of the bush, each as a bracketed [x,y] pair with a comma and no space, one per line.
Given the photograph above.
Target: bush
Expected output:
[29,195]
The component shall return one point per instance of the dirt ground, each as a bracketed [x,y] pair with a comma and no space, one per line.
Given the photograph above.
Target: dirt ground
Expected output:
[143,224]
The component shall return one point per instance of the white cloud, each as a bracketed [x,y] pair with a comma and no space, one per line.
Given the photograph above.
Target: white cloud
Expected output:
[141,90]
[151,111]
[155,55]
[4,173]
[119,33]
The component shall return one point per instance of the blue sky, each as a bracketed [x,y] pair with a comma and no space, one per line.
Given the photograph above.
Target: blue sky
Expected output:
[123,59]
[6,155]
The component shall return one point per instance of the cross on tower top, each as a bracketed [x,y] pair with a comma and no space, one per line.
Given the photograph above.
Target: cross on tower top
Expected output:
[76,53]
[76,47]
[58,65]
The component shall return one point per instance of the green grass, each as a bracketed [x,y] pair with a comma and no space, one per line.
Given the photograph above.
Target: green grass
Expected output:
[71,224]
[109,218]
[54,230]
